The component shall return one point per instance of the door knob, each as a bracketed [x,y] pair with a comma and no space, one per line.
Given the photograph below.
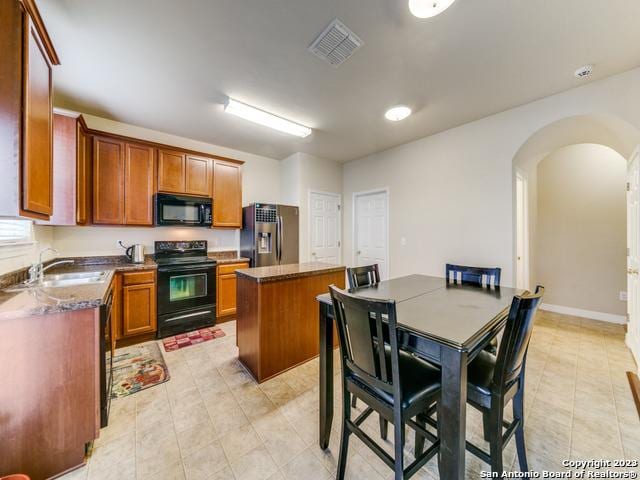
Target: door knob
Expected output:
[313,253]
[358,252]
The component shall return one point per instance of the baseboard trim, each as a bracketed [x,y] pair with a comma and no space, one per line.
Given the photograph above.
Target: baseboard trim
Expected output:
[578,312]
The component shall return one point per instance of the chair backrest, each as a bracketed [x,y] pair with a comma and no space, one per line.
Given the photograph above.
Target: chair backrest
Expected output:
[515,340]
[359,322]
[474,275]
[363,276]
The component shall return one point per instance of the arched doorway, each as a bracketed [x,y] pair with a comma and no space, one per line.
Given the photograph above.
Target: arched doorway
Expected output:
[600,129]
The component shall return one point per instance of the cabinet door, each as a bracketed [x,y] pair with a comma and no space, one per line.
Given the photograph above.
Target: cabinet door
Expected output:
[199,172]
[37,160]
[83,176]
[139,175]
[226,304]
[138,309]
[171,171]
[108,181]
[227,195]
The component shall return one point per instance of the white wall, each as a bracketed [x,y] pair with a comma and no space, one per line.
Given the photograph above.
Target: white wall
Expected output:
[451,194]
[581,233]
[300,174]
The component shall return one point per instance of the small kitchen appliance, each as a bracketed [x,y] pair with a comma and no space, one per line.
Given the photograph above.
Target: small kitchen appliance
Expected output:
[135,253]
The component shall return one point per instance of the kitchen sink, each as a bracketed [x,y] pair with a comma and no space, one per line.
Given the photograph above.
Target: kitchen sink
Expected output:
[64,280]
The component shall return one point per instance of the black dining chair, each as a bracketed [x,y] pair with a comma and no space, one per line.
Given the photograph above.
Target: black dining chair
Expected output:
[479,276]
[494,381]
[394,383]
[473,275]
[363,276]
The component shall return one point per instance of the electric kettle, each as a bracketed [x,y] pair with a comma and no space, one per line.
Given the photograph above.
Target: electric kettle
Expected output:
[135,253]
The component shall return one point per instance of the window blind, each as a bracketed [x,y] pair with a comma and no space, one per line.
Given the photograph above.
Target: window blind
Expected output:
[15,231]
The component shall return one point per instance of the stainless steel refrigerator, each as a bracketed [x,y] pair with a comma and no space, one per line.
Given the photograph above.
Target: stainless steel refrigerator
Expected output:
[270,234]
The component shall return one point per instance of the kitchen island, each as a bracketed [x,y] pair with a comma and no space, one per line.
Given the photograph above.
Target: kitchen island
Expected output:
[277,314]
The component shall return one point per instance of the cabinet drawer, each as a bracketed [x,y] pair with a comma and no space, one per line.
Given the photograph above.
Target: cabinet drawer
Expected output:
[137,278]
[231,267]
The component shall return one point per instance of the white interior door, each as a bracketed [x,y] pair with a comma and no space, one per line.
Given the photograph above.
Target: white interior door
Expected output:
[324,227]
[633,254]
[522,233]
[371,230]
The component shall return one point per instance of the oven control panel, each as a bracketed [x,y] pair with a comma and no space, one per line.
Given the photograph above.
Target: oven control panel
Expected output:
[177,246]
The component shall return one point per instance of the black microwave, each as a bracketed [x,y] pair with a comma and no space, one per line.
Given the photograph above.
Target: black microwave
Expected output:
[181,210]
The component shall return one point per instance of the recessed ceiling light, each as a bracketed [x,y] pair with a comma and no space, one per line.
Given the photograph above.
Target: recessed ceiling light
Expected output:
[583,71]
[428,8]
[397,113]
[267,119]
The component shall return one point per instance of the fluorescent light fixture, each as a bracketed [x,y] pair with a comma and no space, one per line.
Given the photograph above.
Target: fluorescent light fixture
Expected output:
[397,113]
[265,118]
[428,8]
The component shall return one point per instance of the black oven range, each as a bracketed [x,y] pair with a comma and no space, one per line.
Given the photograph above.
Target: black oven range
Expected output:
[186,286]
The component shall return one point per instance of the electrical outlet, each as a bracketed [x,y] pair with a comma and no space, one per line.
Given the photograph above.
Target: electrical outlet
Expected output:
[623,296]
[403,241]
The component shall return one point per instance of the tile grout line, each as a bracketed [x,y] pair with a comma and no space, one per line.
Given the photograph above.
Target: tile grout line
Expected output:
[615,403]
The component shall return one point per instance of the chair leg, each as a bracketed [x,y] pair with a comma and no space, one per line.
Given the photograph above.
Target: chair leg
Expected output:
[486,426]
[419,447]
[344,439]
[383,428]
[495,442]
[518,414]
[354,401]
[398,446]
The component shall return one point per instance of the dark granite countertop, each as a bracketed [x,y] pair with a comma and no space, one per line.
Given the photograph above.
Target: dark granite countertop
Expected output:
[283,272]
[225,257]
[40,301]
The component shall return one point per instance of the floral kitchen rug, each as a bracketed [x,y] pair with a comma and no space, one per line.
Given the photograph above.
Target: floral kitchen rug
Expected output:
[136,368]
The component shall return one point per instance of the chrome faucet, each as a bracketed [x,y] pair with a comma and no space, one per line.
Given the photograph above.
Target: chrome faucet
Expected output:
[36,272]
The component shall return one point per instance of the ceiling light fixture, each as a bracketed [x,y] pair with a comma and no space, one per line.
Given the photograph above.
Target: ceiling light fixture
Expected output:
[397,113]
[428,8]
[267,119]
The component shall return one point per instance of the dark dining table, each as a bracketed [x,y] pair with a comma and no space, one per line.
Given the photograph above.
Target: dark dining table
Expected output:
[445,323]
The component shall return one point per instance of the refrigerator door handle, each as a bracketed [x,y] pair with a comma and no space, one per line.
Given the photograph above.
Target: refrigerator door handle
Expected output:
[279,238]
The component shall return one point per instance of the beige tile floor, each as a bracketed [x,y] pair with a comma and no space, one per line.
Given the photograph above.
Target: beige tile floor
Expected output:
[212,421]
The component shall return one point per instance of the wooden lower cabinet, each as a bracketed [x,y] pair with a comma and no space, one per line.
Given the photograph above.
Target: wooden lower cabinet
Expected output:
[226,289]
[135,304]
[50,394]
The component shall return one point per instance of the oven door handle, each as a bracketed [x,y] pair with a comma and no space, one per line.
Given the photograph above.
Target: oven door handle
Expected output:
[178,268]
[187,315]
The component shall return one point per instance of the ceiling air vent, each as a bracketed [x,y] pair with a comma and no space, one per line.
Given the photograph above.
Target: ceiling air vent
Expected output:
[335,44]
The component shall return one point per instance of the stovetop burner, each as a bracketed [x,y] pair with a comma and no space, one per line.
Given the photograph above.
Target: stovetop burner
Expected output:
[182,252]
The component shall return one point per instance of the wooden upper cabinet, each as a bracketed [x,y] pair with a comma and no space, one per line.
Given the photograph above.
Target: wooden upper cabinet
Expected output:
[37,162]
[139,184]
[199,176]
[227,194]
[171,171]
[83,175]
[70,171]
[26,113]
[108,181]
